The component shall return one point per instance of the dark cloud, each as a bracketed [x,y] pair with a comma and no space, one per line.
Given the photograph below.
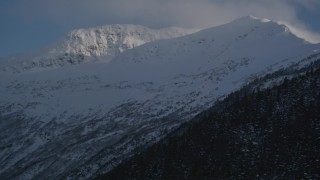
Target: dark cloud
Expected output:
[154,12]
[187,13]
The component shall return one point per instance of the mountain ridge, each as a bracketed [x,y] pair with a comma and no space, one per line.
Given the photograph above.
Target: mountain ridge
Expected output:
[91,44]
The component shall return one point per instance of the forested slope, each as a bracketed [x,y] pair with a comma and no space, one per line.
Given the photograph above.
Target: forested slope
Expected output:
[269,133]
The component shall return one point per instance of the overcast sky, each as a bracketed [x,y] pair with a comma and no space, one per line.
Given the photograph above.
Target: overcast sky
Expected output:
[29,24]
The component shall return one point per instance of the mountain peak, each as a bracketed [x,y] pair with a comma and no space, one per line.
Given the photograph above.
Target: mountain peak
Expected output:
[268,26]
[258,19]
[252,19]
[272,26]
[116,38]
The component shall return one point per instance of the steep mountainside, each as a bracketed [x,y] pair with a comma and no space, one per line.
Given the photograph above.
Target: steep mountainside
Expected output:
[78,121]
[252,134]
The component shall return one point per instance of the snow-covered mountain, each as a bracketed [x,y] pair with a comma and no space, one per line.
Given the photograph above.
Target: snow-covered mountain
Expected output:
[77,121]
[85,45]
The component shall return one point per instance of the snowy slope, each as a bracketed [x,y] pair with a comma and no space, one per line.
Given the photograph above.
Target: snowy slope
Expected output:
[75,121]
[85,45]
